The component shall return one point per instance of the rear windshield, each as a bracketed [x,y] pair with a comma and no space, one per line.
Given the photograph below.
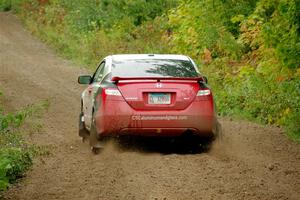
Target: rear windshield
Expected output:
[153,68]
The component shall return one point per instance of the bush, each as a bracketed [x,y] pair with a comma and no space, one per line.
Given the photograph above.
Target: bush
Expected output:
[15,154]
[5,5]
[201,25]
[13,163]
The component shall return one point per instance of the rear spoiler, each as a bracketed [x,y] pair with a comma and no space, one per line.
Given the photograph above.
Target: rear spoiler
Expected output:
[116,79]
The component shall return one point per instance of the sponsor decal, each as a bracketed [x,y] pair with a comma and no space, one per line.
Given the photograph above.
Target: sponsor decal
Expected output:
[158,117]
[131,98]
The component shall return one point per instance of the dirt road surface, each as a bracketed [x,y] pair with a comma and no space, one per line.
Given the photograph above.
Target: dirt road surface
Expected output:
[249,162]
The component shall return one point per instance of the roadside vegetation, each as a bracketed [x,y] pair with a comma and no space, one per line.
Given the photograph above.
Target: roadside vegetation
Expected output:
[15,153]
[249,49]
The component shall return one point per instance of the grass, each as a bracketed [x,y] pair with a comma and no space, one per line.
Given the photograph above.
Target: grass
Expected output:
[15,153]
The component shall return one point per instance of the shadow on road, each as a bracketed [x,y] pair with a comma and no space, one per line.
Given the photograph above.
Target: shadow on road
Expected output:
[178,145]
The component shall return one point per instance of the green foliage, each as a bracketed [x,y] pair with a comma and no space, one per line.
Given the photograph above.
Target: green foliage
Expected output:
[14,120]
[87,15]
[281,30]
[13,163]
[200,25]
[6,5]
[15,154]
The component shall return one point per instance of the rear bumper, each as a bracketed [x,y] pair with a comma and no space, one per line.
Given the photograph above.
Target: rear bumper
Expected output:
[118,118]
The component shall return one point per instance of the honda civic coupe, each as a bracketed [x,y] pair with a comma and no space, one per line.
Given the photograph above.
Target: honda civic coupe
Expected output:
[146,95]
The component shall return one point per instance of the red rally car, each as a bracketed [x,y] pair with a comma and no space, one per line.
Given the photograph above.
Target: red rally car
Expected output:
[147,95]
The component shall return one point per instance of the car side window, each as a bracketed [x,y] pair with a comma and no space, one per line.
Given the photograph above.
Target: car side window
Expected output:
[99,73]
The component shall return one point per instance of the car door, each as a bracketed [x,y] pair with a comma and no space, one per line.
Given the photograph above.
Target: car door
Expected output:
[92,89]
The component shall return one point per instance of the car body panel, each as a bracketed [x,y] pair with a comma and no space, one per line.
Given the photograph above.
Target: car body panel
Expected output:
[136,94]
[117,117]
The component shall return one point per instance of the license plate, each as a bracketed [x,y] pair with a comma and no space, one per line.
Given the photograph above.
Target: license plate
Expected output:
[159,98]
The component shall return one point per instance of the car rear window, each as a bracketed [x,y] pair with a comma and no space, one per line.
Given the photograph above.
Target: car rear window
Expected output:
[153,68]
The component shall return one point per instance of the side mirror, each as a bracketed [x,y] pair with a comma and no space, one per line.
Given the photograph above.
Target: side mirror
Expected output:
[205,79]
[84,79]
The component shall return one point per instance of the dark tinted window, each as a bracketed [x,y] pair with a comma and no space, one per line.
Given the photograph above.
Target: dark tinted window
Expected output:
[99,73]
[153,68]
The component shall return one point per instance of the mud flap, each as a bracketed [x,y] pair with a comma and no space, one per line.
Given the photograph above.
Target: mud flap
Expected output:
[83,132]
[95,140]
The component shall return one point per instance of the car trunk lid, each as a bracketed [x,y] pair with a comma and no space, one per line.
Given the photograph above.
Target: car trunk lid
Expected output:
[158,93]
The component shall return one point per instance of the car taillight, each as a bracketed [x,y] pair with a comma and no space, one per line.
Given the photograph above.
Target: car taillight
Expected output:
[203,93]
[112,92]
